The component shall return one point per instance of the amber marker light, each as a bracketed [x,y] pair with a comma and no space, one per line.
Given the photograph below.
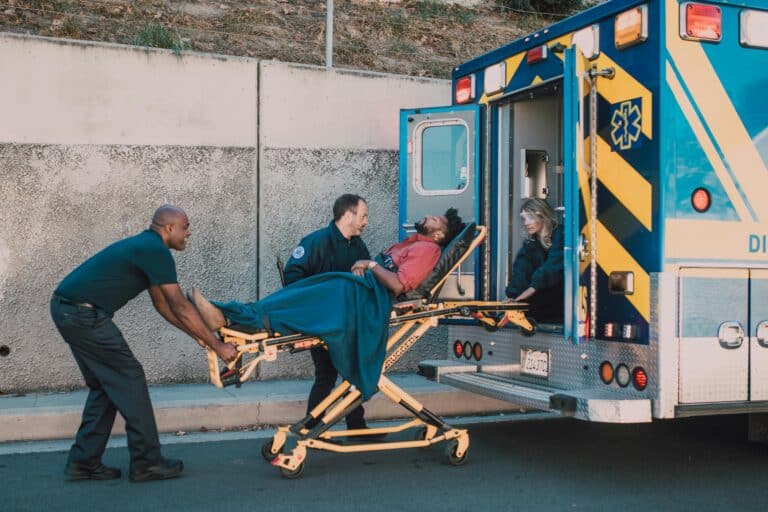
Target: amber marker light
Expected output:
[606,372]
[631,27]
[701,200]
[639,378]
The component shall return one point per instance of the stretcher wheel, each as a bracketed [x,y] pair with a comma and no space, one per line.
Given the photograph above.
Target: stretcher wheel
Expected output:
[530,332]
[291,474]
[453,459]
[496,319]
[465,311]
[266,451]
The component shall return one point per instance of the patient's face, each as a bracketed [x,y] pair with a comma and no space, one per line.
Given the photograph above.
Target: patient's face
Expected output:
[432,224]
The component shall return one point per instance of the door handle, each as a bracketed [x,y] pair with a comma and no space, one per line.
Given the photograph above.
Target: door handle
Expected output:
[762,333]
[730,334]
[581,250]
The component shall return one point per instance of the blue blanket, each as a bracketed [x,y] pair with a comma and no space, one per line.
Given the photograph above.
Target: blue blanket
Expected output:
[349,313]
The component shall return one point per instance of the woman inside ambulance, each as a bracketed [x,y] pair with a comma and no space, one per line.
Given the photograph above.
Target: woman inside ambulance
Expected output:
[537,272]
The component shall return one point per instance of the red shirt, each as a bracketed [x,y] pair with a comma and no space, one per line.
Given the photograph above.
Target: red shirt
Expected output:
[415,258]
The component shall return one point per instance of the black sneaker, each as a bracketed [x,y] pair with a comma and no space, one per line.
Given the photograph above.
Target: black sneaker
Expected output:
[80,471]
[167,468]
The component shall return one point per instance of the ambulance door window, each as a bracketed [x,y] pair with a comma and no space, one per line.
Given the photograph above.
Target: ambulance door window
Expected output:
[443,168]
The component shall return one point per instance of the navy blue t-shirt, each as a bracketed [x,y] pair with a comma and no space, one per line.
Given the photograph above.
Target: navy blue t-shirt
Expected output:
[119,272]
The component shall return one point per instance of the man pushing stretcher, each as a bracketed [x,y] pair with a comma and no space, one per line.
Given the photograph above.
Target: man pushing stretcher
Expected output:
[349,311]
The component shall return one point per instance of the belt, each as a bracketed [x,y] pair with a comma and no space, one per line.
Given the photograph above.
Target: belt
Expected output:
[68,302]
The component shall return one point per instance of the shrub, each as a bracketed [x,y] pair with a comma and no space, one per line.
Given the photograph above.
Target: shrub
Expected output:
[158,36]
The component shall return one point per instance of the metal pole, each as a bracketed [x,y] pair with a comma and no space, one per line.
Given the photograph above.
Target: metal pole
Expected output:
[329,34]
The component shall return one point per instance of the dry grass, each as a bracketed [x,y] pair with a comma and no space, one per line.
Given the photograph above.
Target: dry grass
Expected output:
[421,38]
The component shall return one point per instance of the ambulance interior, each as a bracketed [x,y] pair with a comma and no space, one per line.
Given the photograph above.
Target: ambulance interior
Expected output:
[530,156]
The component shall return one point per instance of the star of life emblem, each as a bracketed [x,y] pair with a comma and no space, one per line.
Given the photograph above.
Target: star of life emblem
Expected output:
[626,124]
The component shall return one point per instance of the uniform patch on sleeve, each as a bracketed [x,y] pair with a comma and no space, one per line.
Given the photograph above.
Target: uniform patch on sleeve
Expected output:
[297,253]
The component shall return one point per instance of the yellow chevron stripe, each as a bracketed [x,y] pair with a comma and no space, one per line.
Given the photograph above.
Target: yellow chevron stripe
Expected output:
[536,80]
[719,114]
[706,144]
[612,257]
[625,183]
[622,87]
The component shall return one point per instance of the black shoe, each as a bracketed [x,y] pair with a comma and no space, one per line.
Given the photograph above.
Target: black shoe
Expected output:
[167,468]
[80,471]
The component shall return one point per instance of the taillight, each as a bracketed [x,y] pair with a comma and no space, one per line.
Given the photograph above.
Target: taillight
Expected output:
[465,89]
[537,54]
[458,348]
[477,351]
[606,372]
[467,350]
[701,200]
[701,22]
[639,378]
[622,375]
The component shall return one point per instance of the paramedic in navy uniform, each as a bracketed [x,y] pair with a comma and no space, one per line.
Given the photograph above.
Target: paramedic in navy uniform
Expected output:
[537,273]
[82,308]
[334,248]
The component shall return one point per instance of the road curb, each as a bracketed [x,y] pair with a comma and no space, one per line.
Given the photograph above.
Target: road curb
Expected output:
[198,407]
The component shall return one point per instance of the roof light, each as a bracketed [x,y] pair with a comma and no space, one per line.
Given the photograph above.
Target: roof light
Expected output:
[537,54]
[700,22]
[495,78]
[754,28]
[465,89]
[701,200]
[639,378]
[622,375]
[631,27]
[606,372]
[477,351]
[588,41]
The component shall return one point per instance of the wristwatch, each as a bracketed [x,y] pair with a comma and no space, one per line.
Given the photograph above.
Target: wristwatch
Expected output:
[371,264]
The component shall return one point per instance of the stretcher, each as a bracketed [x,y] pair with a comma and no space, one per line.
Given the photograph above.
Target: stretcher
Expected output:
[409,321]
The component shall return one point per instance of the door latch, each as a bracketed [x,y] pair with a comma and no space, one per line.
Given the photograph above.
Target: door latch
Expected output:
[762,333]
[730,334]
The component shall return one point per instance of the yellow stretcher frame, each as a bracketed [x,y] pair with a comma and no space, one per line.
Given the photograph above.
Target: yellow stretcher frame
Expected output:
[412,319]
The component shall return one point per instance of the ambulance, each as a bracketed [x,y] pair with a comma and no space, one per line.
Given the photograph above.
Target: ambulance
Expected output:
[644,124]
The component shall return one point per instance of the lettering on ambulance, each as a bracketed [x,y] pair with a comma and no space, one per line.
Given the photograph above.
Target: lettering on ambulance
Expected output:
[757,243]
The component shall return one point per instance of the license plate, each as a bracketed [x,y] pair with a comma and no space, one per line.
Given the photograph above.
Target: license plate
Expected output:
[535,362]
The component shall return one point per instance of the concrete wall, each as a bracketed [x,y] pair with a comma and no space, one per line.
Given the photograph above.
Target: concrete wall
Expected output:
[93,137]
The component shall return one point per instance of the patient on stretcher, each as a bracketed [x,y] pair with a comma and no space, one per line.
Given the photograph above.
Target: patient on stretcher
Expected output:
[349,311]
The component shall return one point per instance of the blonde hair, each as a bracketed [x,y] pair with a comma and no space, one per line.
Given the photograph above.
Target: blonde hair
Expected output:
[541,209]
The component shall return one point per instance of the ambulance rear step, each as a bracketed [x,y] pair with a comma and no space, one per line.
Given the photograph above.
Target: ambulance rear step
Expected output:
[586,404]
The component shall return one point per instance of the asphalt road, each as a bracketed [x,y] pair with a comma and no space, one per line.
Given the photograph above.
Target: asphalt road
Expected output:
[695,464]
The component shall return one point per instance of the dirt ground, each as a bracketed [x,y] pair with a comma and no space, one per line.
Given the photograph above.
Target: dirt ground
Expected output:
[421,38]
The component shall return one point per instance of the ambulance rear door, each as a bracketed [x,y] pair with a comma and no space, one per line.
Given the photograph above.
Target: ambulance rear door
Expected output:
[439,162]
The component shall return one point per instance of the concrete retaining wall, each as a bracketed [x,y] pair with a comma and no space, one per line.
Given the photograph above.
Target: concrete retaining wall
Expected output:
[94,137]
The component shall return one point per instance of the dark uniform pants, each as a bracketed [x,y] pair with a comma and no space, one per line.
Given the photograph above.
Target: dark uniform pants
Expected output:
[325,380]
[116,381]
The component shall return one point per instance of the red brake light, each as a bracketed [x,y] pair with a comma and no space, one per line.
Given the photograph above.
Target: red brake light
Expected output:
[465,89]
[701,22]
[458,348]
[536,54]
[639,379]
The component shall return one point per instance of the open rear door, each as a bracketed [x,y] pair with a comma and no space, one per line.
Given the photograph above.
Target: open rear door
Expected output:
[439,170]
[575,86]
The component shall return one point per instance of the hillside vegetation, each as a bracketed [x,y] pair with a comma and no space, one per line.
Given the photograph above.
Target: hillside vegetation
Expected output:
[422,38]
